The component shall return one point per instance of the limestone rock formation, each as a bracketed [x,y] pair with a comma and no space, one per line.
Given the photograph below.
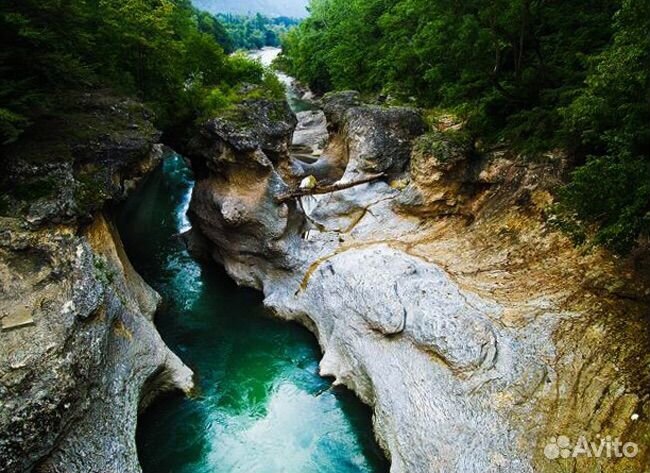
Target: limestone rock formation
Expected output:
[264,124]
[379,139]
[462,374]
[79,354]
[337,104]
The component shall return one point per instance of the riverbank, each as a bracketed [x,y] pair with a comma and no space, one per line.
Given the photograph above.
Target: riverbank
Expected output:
[79,353]
[437,290]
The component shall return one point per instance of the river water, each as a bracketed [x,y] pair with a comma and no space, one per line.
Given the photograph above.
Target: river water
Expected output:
[294,96]
[260,405]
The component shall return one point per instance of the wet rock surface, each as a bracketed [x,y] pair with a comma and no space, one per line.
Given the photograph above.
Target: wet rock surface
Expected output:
[460,373]
[78,350]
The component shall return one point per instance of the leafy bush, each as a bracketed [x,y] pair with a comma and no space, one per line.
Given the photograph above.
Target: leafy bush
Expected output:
[614,193]
[610,117]
[11,125]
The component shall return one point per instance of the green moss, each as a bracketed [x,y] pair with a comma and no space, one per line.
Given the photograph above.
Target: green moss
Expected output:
[444,146]
[35,190]
[103,271]
[90,193]
[238,116]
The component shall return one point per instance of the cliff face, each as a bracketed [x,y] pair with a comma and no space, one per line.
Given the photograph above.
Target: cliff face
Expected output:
[438,292]
[78,350]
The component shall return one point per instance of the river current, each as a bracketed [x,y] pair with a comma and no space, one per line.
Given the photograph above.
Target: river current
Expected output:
[260,405]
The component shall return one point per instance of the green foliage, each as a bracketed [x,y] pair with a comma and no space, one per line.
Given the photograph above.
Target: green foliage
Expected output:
[11,125]
[614,193]
[446,146]
[532,73]
[103,272]
[223,98]
[255,32]
[209,24]
[507,64]
[163,51]
[611,119]
[34,190]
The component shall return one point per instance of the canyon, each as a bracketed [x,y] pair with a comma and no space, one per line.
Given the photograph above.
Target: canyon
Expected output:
[438,289]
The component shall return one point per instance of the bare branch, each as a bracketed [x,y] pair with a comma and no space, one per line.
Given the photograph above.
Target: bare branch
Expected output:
[319,190]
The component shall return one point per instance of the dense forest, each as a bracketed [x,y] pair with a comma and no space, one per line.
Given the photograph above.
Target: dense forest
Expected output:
[164,52]
[255,32]
[529,74]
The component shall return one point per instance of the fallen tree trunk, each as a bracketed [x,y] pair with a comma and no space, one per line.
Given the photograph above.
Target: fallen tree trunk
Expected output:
[319,190]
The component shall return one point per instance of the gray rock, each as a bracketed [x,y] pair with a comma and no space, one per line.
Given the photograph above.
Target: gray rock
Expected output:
[73,379]
[379,139]
[255,124]
[308,156]
[92,154]
[336,105]
[79,354]
[310,134]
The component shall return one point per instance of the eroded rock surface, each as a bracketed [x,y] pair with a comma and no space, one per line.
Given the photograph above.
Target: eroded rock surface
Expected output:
[379,138]
[462,375]
[79,353]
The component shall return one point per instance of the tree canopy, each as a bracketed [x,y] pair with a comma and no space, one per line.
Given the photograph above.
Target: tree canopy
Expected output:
[163,51]
[256,31]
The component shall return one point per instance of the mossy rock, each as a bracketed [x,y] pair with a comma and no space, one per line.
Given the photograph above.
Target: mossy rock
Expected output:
[64,167]
[445,147]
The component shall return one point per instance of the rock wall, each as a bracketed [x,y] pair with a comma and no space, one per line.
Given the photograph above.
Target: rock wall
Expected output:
[428,292]
[79,353]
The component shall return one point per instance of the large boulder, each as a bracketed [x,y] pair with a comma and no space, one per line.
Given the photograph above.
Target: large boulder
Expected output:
[379,138]
[65,168]
[442,174]
[254,125]
[336,105]
[245,157]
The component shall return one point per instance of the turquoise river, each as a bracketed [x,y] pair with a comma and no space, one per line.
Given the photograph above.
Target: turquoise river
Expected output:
[260,405]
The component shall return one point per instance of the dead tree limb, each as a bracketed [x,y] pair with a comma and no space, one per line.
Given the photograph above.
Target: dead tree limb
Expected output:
[319,190]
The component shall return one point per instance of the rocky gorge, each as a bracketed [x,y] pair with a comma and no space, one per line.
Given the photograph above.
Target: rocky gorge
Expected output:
[432,276]
[79,354]
[434,280]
